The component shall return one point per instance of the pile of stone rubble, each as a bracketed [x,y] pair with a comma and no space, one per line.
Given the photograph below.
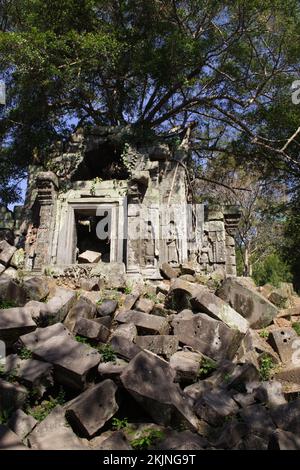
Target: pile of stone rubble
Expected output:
[183,363]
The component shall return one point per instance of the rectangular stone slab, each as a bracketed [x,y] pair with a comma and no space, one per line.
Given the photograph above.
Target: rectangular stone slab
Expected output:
[93,408]
[145,323]
[72,360]
[15,322]
[165,345]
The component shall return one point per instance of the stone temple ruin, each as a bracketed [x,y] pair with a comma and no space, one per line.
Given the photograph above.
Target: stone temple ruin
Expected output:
[137,195]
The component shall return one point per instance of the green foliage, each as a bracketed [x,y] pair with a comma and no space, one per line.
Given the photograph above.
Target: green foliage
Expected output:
[264,334]
[153,297]
[266,367]
[81,339]
[296,326]
[5,415]
[107,353]
[41,411]
[272,270]
[25,353]
[7,304]
[147,439]
[128,289]
[118,424]
[206,367]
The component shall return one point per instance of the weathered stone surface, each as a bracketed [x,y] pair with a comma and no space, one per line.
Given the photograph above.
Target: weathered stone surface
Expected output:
[163,287]
[214,406]
[117,441]
[89,257]
[284,341]
[37,288]
[21,423]
[6,252]
[187,268]
[180,294]
[123,347]
[217,308]
[287,416]
[284,440]
[11,273]
[208,336]
[12,395]
[9,440]
[106,321]
[18,259]
[112,275]
[149,380]
[187,277]
[2,268]
[249,303]
[270,393]
[258,420]
[91,329]
[144,305]
[107,307]
[59,305]
[54,433]
[289,375]
[93,408]
[11,291]
[127,330]
[72,360]
[15,322]
[230,435]
[83,308]
[168,271]
[185,440]
[40,335]
[252,342]
[112,369]
[145,323]
[90,284]
[196,390]
[35,307]
[253,442]
[30,372]
[186,364]
[163,345]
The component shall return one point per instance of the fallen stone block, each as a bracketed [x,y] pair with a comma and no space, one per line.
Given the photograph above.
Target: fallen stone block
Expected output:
[127,330]
[37,288]
[124,348]
[106,321]
[91,329]
[196,390]
[230,434]
[287,416]
[12,395]
[284,440]
[2,268]
[144,305]
[11,273]
[163,287]
[35,307]
[185,440]
[285,341]
[209,303]
[54,433]
[40,335]
[37,375]
[168,272]
[258,311]
[117,441]
[6,252]
[12,292]
[187,277]
[289,374]
[59,305]
[253,442]
[93,408]
[15,322]
[270,393]
[252,342]
[107,307]
[208,336]
[9,440]
[18,259]
[163,345]
[89,285]
[214,406]
[89,257]
[82,308]
[180,294]
[149,380]
[72,360]
[186,365]
[21,423]
[112,370]
[145,323]
[258,420]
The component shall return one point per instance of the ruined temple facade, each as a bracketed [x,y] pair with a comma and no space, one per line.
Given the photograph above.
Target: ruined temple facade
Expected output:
[137,195]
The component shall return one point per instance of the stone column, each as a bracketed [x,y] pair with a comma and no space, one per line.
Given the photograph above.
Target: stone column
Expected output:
[39,251]
[232,215]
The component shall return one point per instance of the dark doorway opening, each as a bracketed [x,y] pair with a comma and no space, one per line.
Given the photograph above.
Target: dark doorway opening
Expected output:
[87,233]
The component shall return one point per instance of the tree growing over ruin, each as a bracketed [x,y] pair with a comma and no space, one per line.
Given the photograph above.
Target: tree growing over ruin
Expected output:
[156,66]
